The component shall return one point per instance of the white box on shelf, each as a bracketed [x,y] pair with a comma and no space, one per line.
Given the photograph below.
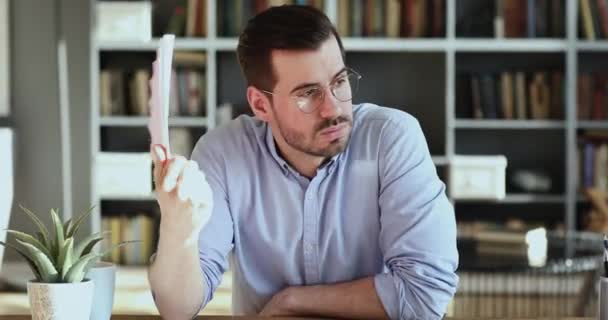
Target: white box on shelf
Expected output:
[477,177]
[124,175]
[124,21]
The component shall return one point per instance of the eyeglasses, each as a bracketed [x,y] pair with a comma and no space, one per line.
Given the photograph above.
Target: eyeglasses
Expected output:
[343,88]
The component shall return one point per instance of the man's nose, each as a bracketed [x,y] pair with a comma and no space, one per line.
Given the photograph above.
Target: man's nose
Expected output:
[330,107]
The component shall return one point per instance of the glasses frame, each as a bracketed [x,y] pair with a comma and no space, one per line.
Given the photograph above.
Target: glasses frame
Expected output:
[349,71]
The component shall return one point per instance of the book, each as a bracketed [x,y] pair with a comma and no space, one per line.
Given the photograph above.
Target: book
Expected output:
[520,96]
[531,14]
[586,19]
[191,13]
[539,96]
[542,10]
[488,96]
[506,82]
[602,6]
[499,21]
[514,18]
[344,17]
[139,93]
[438,18]
[584,93]
[557,18]
[393,18]
[600,170]
[356,29]
[596,19]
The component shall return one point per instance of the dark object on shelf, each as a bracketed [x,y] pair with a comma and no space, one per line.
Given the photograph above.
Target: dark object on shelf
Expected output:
[531,181]
[482,25]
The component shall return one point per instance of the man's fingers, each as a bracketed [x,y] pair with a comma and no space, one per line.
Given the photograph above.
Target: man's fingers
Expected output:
[175,168]
[186,182]
[158,157]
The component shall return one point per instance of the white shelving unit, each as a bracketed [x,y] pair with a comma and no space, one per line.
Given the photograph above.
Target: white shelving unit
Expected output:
[509,124]
[127,121]
[447,47]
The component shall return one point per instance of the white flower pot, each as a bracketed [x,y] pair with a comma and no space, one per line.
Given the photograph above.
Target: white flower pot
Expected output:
[60,301]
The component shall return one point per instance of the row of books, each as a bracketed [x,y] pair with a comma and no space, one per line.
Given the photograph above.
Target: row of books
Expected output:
[140,227]
[125,92]
[517,295]
[188,19]
[233,14]
[511,18]
[511,95]
[391,18]
[593,19]
[592,96]
[592,157]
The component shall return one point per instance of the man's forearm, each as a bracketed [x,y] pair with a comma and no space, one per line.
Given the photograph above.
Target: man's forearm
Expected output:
[353,299]
[176,280]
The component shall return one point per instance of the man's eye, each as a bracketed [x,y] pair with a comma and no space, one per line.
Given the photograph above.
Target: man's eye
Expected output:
[341,81]
[307,93]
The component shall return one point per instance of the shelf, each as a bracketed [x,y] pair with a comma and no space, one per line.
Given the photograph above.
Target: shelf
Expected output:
[521,198]
[601,45]
[229,44]
[440,160]
[127,121]
[150,197]
[152,45]
[511,45]
[371,44]
[394,44]
[509,124]
[597,124]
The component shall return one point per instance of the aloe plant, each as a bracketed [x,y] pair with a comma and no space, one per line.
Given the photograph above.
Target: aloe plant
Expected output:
[60,258]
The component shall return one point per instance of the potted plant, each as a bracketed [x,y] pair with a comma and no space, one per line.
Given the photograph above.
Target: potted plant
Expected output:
[59,264]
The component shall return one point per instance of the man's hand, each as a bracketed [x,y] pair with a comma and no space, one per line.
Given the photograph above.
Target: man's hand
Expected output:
[280,304]
[184,196]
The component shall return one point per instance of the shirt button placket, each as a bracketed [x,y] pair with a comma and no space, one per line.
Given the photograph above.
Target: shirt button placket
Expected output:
[310,235]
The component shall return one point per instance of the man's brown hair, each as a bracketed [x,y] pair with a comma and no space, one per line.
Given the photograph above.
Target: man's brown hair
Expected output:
[288,27]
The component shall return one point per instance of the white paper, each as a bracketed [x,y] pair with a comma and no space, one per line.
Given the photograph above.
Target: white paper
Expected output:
[160,89]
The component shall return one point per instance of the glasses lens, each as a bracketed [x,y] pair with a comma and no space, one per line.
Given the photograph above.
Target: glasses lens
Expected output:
[345,88]
[310,100]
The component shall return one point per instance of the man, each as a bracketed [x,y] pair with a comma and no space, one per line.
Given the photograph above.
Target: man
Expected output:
[326,209]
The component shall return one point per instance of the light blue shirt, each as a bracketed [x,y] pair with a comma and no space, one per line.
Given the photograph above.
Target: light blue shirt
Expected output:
[377,209]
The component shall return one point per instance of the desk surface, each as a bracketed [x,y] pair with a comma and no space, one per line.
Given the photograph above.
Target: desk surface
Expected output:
[134,317]
[148,317]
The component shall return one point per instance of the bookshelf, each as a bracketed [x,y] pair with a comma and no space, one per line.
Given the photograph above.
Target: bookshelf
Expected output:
[424,84]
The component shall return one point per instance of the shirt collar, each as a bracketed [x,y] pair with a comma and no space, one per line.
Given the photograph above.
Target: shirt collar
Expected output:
[282,163]
[273,150]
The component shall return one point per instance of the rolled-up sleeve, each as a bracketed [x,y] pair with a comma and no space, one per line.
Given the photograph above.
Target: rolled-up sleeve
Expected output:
[216,239]
[418,235]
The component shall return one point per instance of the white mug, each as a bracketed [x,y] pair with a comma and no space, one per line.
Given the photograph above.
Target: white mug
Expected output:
[103,274]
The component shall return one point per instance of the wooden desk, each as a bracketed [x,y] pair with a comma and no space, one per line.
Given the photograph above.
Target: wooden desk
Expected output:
[133,317]
[147,317]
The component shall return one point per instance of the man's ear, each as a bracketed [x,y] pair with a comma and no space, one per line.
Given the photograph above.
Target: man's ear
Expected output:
[259,103]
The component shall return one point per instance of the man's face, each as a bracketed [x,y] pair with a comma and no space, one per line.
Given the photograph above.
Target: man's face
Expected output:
[325,131]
